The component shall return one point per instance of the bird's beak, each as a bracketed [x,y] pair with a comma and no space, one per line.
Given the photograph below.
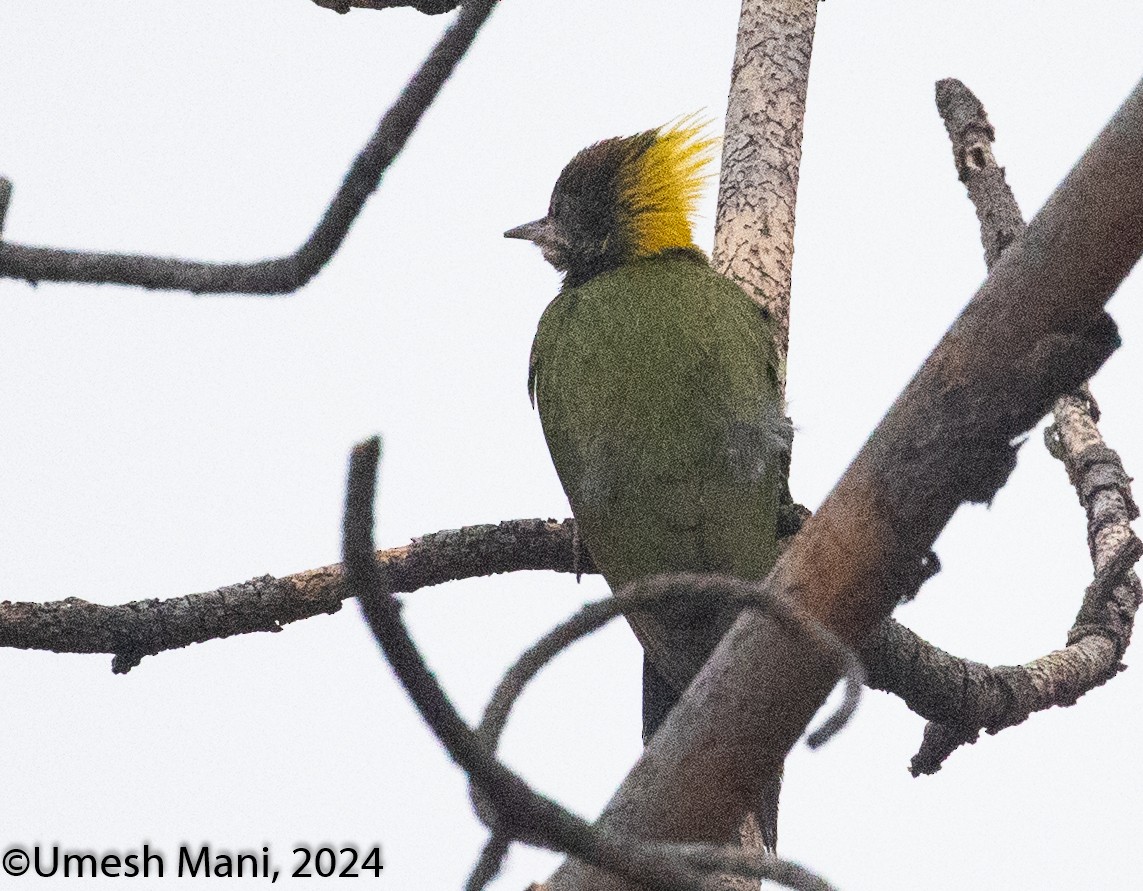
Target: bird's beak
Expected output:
[539,231]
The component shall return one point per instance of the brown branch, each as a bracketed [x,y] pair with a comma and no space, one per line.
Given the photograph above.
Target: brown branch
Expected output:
[518,811]
[958,696]
[281,275]
[1034,331]
[142,628]
[972,135]
[664,591]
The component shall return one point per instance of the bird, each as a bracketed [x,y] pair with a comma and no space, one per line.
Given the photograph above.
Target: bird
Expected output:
[658,389]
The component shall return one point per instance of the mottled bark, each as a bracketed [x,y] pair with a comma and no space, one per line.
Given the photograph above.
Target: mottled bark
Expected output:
[754,228]
[961,697]
[133,630]
[758,188]
[971,136]
[146,627]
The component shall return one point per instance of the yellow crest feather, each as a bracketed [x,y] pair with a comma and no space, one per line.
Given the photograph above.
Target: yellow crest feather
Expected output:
[665,183]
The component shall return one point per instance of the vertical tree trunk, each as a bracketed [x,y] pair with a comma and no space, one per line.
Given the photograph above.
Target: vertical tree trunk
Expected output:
[758,187]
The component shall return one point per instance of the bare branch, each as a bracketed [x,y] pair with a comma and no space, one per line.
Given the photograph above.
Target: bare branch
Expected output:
[665,590]
[961,697]
[757,196]
[488,864]
[972,136]
[519,812]
[1035,330]
[282,274]
[428,7]
[762,150]
[142,628]
[5,198]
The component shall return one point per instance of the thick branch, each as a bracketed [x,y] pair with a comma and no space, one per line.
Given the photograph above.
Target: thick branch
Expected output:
[757,195]
[961,697]
[762,149]
[1035,330]
[283,274]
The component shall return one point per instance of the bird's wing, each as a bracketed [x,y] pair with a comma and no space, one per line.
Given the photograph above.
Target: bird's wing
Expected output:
[657,390]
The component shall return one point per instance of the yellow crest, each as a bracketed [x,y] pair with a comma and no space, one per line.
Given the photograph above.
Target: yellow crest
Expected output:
[665,182]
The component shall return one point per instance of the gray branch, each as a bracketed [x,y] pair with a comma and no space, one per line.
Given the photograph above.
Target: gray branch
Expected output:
[141,628]
[428,7]
[131,631]
[281,275]
[961,697]
[761,154]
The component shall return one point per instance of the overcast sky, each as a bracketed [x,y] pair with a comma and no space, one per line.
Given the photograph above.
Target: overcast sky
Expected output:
[157,444]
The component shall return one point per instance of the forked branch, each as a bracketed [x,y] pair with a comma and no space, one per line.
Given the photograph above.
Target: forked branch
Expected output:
[981,697]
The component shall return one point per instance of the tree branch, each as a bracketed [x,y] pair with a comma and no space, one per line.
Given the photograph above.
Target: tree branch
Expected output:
[428,7]
[757,196]
[961,697]
[281,275]
[1034,331]
[5,199]
[142,628]
[516,810]
[666,590]
[762,150]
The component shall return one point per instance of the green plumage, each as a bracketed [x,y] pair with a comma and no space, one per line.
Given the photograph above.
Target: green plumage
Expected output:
[657,387]
[658,390]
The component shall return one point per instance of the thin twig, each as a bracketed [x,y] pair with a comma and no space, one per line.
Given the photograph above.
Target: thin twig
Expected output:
[665,590]
[488,864]
[281,275]
[519,811]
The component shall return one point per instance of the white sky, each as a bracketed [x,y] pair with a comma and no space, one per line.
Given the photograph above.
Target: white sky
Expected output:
[156,444]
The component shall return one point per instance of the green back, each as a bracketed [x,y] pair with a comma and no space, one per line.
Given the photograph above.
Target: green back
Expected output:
[658,392]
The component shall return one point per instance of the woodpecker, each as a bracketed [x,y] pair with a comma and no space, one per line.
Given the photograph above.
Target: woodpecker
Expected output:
[658,390]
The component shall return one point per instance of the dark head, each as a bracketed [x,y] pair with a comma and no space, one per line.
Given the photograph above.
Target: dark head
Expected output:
[623,198]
